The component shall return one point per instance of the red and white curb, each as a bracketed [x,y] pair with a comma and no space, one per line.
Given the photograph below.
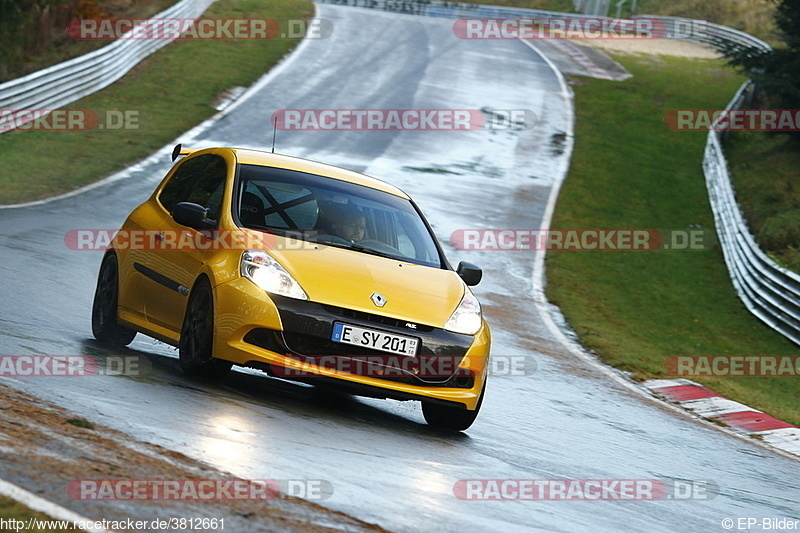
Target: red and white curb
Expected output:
[739,417]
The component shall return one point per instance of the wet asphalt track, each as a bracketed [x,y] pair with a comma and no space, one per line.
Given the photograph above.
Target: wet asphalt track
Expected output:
[563,421]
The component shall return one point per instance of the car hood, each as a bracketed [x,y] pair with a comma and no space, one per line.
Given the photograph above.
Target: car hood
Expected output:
[347,278]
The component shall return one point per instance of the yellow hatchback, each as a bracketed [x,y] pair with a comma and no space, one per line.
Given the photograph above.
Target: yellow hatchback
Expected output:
[304,270]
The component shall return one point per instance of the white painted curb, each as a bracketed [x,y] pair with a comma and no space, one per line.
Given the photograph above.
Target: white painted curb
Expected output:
[715,407]
[37,503]
[784,441]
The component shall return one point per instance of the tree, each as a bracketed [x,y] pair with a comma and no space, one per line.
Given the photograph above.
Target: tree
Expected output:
[775,71]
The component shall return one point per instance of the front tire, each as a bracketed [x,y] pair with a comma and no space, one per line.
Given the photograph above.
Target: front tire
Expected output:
[104,308]
[454,418]
[197,336]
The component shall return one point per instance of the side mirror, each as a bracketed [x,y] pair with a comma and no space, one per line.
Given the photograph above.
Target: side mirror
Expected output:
[189,214]
[469,273]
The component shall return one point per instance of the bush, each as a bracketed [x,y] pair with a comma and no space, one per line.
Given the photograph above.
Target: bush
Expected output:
[781,231]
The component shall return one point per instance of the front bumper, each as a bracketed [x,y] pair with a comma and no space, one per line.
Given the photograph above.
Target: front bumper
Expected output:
[291,339]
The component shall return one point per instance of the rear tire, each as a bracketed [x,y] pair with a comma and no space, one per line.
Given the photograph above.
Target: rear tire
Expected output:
[104,308]
[197,336]
[454,418]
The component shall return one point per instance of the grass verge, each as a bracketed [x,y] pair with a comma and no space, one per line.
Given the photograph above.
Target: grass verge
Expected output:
[546,5]
[18,53]
[752,16]
[764,167]
[171,91]
[628,170]
[13,510]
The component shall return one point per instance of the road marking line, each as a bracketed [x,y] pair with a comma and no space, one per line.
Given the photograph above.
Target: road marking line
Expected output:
[37,503]
[789,448]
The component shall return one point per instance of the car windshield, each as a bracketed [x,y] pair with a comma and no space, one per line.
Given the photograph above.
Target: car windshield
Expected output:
[334,212]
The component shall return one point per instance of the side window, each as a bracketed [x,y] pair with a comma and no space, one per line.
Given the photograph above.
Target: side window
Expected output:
[200,180]
[175,189]
[207,189]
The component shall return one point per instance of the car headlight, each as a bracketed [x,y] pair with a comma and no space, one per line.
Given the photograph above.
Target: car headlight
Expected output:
[466,318]
[260,268]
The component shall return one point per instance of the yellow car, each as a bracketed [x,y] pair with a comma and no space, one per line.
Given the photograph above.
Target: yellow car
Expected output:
[304,270]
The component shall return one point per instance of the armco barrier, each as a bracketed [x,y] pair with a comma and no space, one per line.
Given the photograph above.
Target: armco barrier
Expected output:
[698,31]
[66,82]
[770,292]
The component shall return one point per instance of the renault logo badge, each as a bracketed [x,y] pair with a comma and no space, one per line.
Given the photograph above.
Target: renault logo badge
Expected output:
[378,299]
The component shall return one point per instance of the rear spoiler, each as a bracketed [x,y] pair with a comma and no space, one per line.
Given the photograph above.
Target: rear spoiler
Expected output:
[181,150]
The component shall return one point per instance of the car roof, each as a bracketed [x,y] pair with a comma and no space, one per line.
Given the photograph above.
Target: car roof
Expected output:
[266,159]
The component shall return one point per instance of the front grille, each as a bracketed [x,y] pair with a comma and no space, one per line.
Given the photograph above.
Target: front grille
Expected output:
[377,319]
[306,336]
[430,370]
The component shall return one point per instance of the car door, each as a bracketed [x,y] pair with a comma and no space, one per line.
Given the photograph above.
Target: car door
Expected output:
[173,268]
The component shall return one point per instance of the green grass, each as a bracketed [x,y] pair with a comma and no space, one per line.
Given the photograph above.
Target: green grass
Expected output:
[19,55]
[752,16]
[80,422]
[13,510]
[547,5]
[769,199]
[629,170]
[172,91]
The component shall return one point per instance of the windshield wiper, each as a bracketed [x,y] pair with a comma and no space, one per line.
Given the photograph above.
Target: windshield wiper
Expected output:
[365,249]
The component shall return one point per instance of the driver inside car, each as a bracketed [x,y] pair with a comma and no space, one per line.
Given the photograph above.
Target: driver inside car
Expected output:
[346,222]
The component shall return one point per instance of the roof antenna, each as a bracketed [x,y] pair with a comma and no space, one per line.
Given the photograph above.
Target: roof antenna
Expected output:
[274,132]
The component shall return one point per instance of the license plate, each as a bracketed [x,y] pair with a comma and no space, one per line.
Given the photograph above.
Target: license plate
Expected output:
[374,339]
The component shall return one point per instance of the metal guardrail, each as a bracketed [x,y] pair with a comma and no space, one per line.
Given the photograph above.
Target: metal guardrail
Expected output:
[64,83]
[698,31]
[703,32]
[769,291]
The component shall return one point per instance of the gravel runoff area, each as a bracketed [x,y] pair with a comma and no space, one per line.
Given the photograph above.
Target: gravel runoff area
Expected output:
[667,47]
[42,452]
